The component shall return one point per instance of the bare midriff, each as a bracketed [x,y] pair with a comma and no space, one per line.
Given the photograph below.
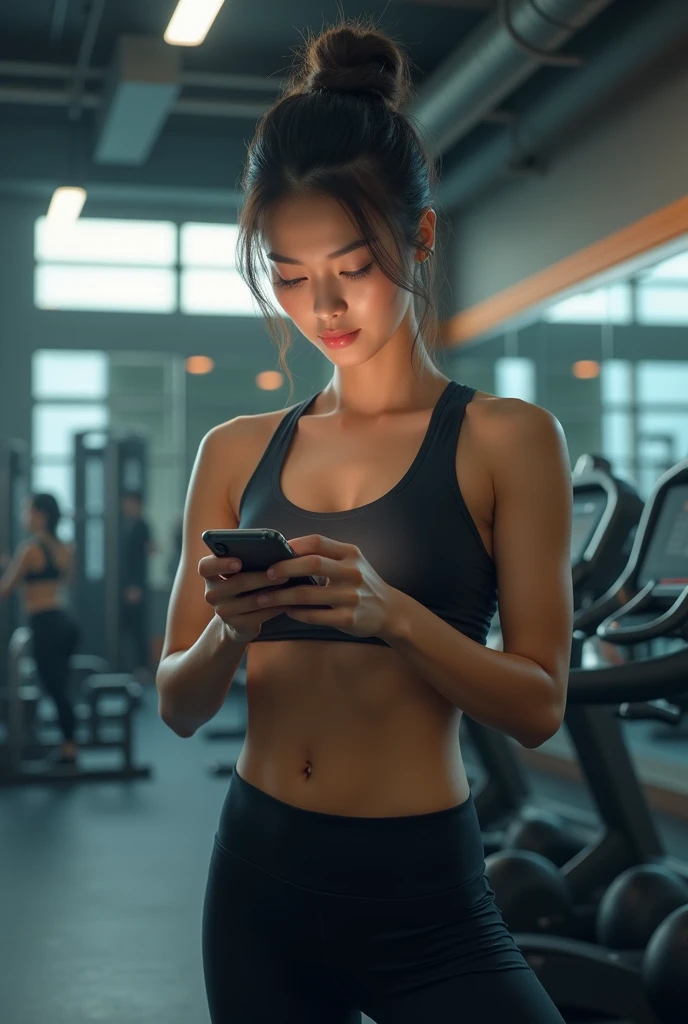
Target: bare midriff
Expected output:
[344,727]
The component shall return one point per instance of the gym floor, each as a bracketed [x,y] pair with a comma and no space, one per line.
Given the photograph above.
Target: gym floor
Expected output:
[104,884]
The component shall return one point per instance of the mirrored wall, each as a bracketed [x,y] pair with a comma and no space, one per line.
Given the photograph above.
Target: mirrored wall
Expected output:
[609,358]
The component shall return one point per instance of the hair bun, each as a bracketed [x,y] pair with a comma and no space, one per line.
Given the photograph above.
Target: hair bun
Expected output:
[355,58]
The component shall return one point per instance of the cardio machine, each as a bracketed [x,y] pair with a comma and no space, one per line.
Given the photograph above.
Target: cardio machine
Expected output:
[643,979]
[606,512]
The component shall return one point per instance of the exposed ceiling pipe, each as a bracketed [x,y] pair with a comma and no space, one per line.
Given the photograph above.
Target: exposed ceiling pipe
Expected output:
[57,21]
[84,59]
[662,25]
[505,50]
[251,109]
[191,79]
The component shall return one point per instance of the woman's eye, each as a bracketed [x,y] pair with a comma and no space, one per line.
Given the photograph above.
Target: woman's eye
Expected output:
[281,283]
[359,273]
[294,281]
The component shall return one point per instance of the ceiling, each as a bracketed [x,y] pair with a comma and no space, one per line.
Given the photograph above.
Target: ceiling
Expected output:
[64,112]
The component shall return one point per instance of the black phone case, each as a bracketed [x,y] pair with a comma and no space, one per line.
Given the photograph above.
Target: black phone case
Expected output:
[257,550]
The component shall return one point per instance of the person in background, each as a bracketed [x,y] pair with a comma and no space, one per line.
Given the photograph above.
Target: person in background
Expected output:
[136,547]
[42,567]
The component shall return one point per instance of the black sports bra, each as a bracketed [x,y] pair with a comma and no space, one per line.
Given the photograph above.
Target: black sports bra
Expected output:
[50,570]
[419,537]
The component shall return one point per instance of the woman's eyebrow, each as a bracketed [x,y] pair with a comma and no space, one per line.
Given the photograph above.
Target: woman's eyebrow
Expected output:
[276,258]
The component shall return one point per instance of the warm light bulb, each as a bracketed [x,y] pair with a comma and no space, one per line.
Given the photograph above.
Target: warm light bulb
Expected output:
[199,364]
[586,369]
[270,380]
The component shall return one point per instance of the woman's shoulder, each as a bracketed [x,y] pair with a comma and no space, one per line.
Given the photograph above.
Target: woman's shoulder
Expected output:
[244,436]
[502,415]
[254,425]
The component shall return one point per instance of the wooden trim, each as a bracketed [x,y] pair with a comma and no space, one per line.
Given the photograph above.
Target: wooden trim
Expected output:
[659,228]
[666,801]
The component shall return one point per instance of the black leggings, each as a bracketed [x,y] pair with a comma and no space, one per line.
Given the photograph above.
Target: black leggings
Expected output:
[310,918]
[55,636]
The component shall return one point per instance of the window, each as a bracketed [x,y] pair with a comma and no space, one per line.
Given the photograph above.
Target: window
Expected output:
[135,267]
[616,378]
[515,378]
[54,426]
[108,265]
[94,240]
[62,374]
[208,245]
[115,289]
[210,283]
[662,381]
[70,395]
[663,304]
[601,306]
[215,292]
[673,269]
[644,416]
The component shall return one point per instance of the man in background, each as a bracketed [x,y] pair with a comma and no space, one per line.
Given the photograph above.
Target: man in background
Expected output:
[135,549]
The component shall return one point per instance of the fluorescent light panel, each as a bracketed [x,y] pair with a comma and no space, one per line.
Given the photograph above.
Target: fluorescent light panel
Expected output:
[191,21]
[66,205]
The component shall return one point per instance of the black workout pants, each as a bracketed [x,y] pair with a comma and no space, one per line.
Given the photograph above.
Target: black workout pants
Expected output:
[55,635]
[311,918]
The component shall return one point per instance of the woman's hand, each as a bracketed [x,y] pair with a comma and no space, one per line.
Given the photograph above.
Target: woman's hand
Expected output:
[225,591]
[361,603]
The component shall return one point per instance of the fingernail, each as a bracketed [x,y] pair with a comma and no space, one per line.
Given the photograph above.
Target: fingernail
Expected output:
[271,574]
[234,564]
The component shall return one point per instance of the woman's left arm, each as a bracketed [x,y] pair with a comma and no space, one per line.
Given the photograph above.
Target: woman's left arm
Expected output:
[521,690]
[15,571]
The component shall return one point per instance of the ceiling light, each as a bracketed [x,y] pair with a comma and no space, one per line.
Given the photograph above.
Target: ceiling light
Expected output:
[586,369]
[191,21]
[66,205]
[199,365]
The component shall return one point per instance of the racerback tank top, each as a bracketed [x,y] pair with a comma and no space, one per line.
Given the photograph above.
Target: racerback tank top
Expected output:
[419,537]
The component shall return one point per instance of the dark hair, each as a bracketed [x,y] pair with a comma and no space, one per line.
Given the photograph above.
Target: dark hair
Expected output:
[338,131]
[47,506]
[133,494]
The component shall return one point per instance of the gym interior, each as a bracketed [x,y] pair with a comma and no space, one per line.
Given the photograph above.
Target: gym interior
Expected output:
[127,334]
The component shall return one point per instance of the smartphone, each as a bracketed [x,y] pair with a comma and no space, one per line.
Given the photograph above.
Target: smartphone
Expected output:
[257,550]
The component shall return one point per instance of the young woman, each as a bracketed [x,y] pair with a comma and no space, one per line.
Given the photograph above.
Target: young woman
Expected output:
[347,872]
[41,566]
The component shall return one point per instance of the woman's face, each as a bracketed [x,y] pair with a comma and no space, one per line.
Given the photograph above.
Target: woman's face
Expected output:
[323,289]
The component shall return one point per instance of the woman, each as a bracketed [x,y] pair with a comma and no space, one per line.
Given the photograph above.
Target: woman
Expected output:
[347,872]
[42,566]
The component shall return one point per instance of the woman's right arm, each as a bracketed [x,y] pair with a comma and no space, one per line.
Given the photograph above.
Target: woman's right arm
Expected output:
[199,656]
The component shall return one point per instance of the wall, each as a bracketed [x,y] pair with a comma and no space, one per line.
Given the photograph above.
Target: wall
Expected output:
[632,160]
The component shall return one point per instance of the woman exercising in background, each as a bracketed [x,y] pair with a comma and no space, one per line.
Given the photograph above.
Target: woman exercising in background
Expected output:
[348,870]
[42,566]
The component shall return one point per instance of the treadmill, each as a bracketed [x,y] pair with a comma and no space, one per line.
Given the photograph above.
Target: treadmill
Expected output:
[648,603]
[606,512]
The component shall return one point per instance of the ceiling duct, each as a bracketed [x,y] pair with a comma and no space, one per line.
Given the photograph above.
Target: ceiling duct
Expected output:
[494,60]
[141,90]
[635,45]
